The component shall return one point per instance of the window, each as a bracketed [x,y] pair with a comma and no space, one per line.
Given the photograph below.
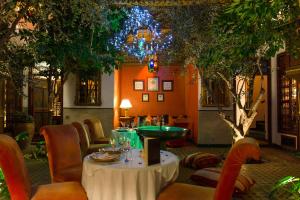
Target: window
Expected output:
[88,91]
[287,97]
[214,93]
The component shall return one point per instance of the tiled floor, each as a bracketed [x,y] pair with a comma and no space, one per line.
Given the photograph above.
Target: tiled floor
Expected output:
[277,164]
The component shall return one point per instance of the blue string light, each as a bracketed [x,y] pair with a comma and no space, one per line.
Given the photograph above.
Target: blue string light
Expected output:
[139,22]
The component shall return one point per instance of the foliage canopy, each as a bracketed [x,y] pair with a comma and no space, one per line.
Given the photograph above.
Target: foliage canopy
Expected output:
[71,36]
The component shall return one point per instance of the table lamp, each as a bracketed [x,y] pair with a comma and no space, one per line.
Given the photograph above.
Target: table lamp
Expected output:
[125,104]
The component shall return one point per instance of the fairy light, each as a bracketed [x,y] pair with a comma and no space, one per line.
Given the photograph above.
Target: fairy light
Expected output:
[139,20]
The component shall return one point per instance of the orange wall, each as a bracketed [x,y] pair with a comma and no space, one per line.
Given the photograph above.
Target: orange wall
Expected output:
[174,103]
[116,97]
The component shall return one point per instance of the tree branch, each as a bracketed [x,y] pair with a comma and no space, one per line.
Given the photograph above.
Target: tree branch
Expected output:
[238,133]
[241,108]
[241,88]
[231,89]
[255,104]
[247,123]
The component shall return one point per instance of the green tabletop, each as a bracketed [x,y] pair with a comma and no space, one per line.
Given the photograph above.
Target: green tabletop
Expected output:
[130,134]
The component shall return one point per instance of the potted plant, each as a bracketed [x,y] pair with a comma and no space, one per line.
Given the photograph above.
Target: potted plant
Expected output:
[286,188]
[4,193]
[23,123]
[23,140]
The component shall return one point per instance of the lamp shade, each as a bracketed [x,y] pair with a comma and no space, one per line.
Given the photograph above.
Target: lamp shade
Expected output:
[125,103]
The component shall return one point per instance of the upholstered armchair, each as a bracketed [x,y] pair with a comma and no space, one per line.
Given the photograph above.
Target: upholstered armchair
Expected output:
[97,135]
[17,179]
[64,154]
[85,145]
[241,151]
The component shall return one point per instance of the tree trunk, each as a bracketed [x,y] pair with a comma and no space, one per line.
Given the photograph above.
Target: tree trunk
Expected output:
[241,128]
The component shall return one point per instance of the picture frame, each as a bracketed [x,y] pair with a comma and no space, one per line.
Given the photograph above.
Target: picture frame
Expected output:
[138,85]
[160,97]
[153,84]
[145,97]
[167,85]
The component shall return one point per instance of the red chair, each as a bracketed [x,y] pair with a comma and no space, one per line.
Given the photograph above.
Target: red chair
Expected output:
[17,179]
[241,151]
[64,154]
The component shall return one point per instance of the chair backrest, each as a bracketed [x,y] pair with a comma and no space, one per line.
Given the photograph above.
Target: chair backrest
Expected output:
[83,136]
[141,120]
[63,147]
[13,166]
[246,148]
[95,129]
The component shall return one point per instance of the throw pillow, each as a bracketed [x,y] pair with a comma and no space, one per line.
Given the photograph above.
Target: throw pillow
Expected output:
[200,160]
[210,177]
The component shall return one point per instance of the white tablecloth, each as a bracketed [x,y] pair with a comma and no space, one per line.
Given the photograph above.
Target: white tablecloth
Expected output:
[128,180]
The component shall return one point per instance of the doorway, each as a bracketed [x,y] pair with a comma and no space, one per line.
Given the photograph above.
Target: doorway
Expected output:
[45,105]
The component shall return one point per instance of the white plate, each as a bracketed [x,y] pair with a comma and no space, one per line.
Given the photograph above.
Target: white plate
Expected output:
[104,157]
[111,150]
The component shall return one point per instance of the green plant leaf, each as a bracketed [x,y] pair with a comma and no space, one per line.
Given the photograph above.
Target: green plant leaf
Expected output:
[289,184]
[22,136]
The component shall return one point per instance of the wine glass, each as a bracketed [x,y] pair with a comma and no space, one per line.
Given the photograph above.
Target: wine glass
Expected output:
[126,148]
[112,142]
[121,140]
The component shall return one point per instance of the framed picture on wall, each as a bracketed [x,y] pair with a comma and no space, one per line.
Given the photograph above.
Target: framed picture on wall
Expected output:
[160,97]
[167,85]
[153,84]
[145,97]
[138,85]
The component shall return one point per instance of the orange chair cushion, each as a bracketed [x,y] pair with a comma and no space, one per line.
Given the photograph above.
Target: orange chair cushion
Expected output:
[181,191]
[200,160]
[210,176]
[68,174]
[60,191]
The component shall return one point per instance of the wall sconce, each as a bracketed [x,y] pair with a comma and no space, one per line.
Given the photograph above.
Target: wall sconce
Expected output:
[125,104]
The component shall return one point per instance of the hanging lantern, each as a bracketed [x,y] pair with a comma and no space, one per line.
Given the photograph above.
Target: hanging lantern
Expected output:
[138,26]
[152,65]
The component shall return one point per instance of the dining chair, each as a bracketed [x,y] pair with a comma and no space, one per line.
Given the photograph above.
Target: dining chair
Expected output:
[95,128]
[85,145]
[242,150]
[17,178]
[64,154]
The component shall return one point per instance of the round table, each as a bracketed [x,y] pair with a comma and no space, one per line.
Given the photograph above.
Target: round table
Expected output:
[131,180]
